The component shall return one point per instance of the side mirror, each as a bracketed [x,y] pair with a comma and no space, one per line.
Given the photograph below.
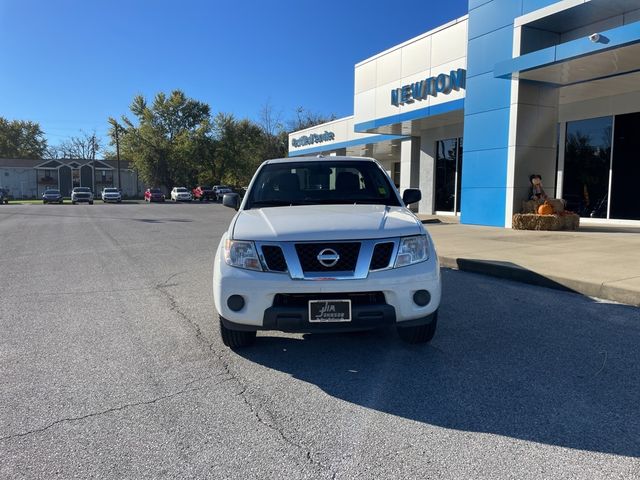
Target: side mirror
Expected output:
[411,195]
[231,200]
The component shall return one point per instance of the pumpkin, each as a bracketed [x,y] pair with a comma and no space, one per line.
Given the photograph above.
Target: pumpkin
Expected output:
[545,209]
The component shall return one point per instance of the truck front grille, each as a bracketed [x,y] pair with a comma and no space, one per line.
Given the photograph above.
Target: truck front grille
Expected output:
[381,256]
[302,299]
[274,258]
[347,251]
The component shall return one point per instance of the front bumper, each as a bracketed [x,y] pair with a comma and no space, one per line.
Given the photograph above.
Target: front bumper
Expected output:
[112,199]
[259,289]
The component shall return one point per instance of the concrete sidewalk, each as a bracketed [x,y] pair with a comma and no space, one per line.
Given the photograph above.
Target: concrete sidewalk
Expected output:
[598,261]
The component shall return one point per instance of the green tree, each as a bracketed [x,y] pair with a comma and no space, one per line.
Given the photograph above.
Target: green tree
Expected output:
[21,139]
[167,138]
[238,150]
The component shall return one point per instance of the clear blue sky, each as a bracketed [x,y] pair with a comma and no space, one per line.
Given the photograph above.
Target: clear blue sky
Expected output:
[70,64]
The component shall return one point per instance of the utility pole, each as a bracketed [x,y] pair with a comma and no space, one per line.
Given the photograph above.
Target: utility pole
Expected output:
[115,126]
[93,162]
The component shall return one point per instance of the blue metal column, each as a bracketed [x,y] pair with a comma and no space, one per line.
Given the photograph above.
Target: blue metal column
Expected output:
[487,109]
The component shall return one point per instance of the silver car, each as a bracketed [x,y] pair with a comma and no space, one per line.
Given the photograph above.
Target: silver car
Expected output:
[81,194]
[111,195]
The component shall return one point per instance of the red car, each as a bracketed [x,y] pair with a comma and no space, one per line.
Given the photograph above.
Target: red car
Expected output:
[203,193]
[153,195]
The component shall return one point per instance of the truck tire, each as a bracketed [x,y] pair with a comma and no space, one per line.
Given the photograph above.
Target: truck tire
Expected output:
[236,338]
[421,333]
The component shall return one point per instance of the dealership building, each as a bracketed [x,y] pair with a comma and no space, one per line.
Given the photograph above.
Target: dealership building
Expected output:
[469,110]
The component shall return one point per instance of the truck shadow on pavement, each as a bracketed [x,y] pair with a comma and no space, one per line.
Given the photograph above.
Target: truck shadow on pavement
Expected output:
[508,359]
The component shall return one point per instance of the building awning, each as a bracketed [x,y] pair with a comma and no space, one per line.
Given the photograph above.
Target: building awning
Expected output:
[614,52]
[410,123]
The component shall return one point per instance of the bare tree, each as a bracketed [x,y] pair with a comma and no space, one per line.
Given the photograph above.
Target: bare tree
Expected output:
[305,119]
[270,120]
[84,146]
[273,131]
[53,152]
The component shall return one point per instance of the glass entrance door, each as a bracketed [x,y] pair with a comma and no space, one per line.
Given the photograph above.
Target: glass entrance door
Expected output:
[586,166]
[601,167]
[625,168]
[448,175]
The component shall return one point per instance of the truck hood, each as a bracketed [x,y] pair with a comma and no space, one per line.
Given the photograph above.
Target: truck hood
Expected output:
[324,222]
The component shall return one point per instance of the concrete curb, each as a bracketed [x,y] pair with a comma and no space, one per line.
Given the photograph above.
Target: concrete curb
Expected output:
[515,273]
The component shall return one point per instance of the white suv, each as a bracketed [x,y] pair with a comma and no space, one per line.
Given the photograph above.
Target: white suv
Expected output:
[181,194]
[110,194]
[81,194]
[325,244]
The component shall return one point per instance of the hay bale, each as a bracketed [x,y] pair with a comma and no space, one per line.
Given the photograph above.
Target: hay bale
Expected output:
[570,221]
[533,221]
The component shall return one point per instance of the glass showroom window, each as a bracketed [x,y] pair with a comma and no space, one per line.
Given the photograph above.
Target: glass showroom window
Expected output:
[448,174]
[586,166]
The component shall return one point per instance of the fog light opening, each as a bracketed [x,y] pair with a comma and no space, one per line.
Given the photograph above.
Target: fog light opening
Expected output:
[235,303]
[422,298]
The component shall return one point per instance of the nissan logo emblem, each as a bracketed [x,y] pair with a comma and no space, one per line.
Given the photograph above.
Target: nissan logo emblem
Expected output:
[328,257]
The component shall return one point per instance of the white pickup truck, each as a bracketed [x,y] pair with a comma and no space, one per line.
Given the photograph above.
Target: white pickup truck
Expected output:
[325,244]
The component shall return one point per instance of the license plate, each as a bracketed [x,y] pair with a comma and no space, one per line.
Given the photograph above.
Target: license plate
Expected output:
[329,310]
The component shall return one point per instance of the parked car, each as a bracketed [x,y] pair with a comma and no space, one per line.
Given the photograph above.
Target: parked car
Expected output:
[220,191]
[203,193]
[81,194]
[52,196]
[111,195]
[153,195]
[325,246]
[4,196]
[180,194]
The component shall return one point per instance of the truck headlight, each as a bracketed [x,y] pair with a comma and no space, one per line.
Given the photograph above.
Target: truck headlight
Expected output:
[241,254]
[412,250]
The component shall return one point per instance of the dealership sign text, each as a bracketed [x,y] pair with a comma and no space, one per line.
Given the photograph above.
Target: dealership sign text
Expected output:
[420,90]
[313,138]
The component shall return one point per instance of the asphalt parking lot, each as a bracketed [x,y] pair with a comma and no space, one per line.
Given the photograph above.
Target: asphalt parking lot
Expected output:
[112,367]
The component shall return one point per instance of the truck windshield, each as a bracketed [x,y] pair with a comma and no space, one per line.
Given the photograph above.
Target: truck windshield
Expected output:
[321,183]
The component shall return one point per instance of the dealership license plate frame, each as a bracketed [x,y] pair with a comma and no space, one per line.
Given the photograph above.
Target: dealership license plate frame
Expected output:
[314,318]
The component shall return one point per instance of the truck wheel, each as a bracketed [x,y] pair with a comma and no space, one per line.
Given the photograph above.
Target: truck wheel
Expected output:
[421,333]
[236,338]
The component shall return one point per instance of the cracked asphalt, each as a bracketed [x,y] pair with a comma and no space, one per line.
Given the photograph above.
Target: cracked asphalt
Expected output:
[111,367]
